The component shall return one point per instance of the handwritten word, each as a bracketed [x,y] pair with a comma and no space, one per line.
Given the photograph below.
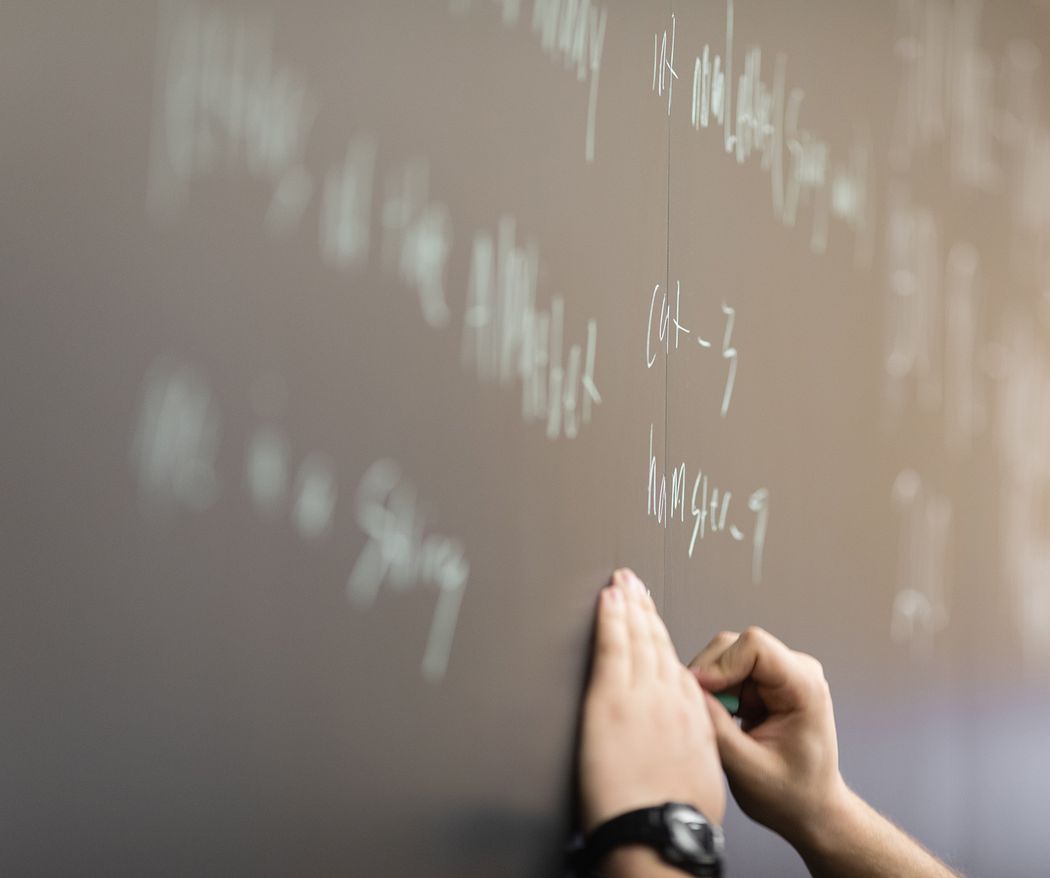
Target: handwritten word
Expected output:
[222,101]
[765,120]
[175,453]
[660,336]
[708,507]
[920,608]
[507,337]
[401,553]
[664,73]
[572,33]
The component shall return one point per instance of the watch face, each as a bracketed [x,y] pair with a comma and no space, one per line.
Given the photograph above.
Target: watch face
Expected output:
[693,837]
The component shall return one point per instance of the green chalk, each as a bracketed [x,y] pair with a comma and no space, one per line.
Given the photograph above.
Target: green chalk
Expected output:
[729,702]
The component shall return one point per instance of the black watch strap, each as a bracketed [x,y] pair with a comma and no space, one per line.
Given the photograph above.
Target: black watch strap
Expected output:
[646,826]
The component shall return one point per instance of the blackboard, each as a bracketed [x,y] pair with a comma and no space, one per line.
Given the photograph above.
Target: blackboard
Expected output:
[347,348]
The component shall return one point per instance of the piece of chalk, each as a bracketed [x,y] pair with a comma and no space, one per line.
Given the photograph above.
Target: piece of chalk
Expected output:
[729,702]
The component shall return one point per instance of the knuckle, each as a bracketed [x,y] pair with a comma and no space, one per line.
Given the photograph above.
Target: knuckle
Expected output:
[755,634]
[815,676]
[814,668]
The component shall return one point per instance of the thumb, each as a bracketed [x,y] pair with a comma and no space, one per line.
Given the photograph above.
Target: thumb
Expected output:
[742,756]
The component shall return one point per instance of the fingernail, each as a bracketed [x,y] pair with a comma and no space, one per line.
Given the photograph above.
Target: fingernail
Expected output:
[613,595]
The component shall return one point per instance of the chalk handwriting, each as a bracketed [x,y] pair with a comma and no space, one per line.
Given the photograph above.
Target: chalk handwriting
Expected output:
[176,444]
[664,73]
[417,238]
[175,454]
[402,553]
[982,110]
[965,384]
[572,34]
[765,120]
[913,351]
[935,324]
[705,508]
[268,467]
[662,325]
[511,9]
[946,90]
[346,211]
[920,605]
[508,337]
[222,102]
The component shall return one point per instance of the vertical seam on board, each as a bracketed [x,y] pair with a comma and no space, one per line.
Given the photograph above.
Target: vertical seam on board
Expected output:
[665,592]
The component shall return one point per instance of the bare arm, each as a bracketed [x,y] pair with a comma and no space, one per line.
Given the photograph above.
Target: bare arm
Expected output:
[782,762]
[860,843]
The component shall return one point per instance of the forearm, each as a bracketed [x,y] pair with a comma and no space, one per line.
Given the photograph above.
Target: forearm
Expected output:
[858,842]
[637,862]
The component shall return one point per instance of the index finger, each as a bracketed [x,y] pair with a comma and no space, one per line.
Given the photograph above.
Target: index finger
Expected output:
[710,653]
[758,656]
[612,658]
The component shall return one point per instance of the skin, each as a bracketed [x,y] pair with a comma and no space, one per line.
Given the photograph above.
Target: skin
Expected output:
[652,733]
[647,736]
[782,761]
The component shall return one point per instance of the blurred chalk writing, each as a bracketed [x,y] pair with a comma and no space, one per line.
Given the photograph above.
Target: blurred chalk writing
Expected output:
[957,348]
[176,449]
[225,103]
[402,553]
[571,33]
[920,605]
[508,337]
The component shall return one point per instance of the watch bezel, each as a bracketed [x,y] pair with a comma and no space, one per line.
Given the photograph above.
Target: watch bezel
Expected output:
[709,847]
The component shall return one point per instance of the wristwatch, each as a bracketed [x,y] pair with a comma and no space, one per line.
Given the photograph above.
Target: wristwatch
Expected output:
[681,835]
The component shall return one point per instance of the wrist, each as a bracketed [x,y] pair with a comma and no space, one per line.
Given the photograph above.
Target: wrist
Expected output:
[839,820]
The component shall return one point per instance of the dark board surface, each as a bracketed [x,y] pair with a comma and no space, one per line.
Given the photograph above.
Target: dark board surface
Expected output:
[348,347]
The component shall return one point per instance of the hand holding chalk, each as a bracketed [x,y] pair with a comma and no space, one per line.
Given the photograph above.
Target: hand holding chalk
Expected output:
[782,760]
